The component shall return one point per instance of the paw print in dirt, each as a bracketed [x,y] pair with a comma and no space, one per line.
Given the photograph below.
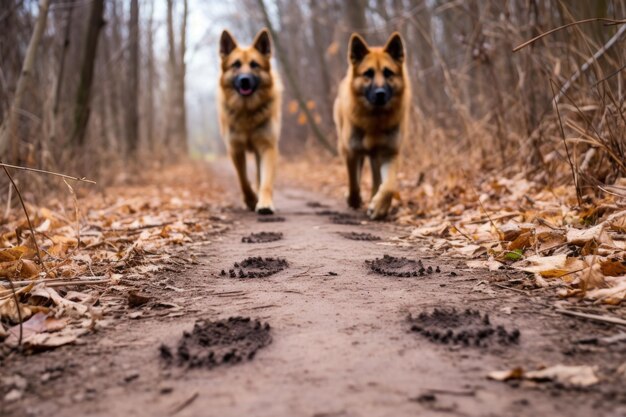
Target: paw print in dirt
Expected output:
[256,267]
[402,267]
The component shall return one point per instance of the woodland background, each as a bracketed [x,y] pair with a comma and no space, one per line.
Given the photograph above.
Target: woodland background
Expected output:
[109,81]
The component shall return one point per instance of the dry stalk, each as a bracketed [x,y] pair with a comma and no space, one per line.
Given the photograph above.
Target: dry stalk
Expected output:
[41,171]
[569,158]
[30,224]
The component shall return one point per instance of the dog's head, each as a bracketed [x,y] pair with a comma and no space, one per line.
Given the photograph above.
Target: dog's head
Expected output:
[377,72]
[246,70]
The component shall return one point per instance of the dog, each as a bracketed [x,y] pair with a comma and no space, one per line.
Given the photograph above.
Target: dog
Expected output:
[249,99]
[371,116]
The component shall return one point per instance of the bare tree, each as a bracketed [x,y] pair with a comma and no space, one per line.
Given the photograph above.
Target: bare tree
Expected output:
[9,134]
[132,101]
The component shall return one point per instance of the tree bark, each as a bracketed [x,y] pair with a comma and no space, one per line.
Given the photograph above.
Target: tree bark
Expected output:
[9,135]
[151,84]
[83,96]
[182,71]
[132,101]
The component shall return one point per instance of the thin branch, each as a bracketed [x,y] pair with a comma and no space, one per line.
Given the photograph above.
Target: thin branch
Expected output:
[41,171]
[19,311]
[578,22]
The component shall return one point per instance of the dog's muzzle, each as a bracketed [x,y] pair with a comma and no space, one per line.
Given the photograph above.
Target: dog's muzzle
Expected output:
[246,84]
[379,96]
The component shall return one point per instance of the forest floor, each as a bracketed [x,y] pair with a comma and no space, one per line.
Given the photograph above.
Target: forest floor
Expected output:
[339,342]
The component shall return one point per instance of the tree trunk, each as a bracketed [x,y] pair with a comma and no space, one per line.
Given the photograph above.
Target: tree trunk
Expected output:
[83,96]
[9,134]
[355,14]
[151,84]
[171,119]
[132,101]
[182,70]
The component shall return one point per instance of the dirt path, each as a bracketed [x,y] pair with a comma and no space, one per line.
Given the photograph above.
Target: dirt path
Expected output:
[341,343]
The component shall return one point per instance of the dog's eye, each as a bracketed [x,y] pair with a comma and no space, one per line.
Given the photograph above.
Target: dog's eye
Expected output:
[254,64]
[388,73]
[369,73]
[236,64]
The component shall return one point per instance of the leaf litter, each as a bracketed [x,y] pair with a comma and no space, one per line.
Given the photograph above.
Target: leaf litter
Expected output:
[106,244]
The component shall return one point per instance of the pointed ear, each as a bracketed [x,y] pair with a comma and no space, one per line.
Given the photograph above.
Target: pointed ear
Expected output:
[357,49]
[395,47]
[227,44]
[262,42]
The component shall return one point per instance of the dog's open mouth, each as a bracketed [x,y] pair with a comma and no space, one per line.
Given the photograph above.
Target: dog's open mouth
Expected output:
[246,91]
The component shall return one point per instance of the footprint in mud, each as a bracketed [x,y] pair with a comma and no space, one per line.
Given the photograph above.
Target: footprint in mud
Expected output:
[346,219]
[368,237]
[399,267]
[256,267]
[328,213]
[270,219]
[214,343]
[467,328]
[262,237]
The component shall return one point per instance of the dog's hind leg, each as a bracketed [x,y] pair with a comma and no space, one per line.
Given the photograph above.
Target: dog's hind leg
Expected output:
[239,160]
[257,158]
[268,158]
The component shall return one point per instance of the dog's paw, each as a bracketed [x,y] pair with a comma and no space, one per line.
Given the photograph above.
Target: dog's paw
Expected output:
[379,207]
[265,207]
[354,201]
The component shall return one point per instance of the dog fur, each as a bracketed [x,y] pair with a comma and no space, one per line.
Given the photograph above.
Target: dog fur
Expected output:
[250,117]
[371,116]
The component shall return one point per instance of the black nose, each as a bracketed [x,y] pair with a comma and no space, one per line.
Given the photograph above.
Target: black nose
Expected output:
[380,96]
[245,81]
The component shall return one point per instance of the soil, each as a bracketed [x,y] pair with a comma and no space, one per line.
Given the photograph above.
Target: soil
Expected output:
[262,237]
[346,219]
[221,342]
[469,328]
[368,237]
[341,345]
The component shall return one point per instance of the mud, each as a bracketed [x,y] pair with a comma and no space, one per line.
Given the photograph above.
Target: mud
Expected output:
[399,267]
[368,237]
[256,267]
[270,219]
[329,213]
[466,328]
[222,342]
[262,237]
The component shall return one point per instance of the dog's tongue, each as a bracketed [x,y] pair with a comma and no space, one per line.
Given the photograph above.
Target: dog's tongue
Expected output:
[245,91]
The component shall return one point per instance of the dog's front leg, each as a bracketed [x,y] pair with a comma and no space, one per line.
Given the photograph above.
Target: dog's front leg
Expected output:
[268,158]
[380,204]
[238,157]
[354,164]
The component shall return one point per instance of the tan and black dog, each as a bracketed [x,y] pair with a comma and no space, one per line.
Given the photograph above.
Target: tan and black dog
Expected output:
[249,106]
[371,112]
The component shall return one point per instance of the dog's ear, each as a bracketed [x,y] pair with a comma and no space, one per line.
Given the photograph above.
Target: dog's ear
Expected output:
[395,47]
[262,42]
[227,44]
[357,49]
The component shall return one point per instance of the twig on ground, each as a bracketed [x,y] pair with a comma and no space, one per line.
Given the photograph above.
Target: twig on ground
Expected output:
[180,407]
[511,289]
[595,317]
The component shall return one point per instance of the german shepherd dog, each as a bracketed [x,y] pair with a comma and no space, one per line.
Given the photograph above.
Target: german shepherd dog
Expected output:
[371,112]
[249,109]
